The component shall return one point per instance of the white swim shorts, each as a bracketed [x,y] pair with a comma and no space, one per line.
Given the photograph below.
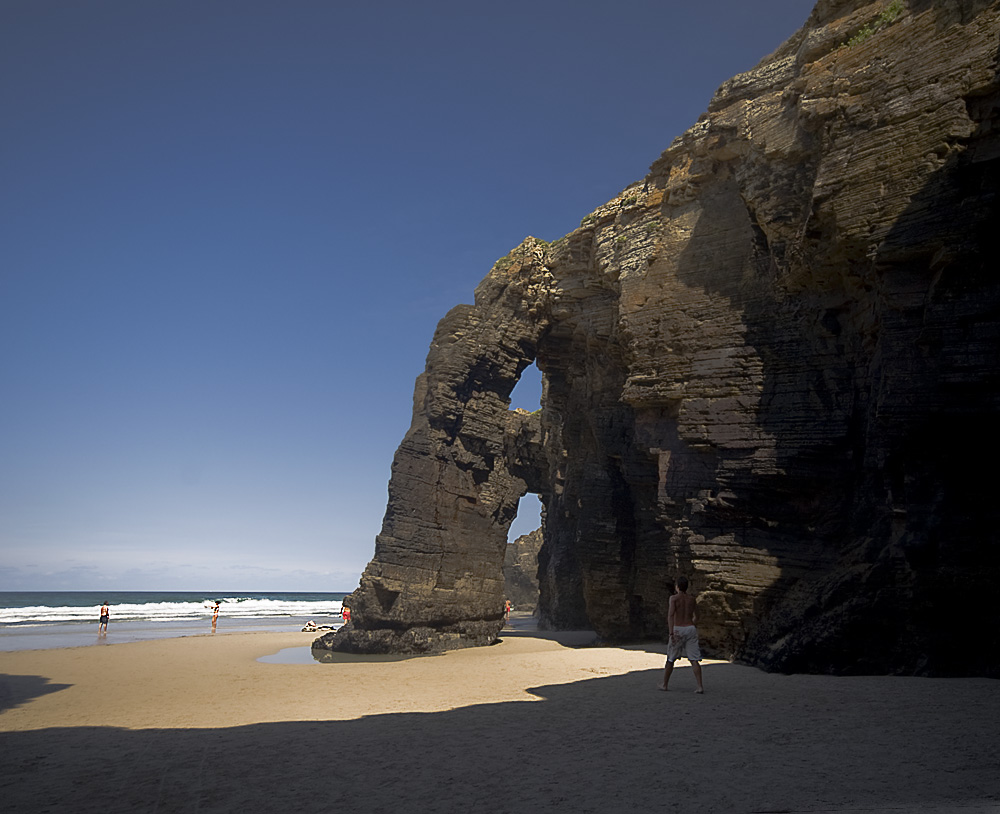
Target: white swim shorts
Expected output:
[684,642]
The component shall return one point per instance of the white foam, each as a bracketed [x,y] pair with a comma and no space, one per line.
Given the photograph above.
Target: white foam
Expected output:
[233,607]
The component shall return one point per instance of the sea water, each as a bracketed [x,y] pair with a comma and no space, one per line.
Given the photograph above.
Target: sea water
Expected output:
[34,620]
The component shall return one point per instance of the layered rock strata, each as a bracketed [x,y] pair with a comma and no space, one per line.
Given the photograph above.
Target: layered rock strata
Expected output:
[771,365]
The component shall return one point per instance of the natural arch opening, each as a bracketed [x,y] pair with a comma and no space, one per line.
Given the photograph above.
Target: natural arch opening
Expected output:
[527,393]
[520,566]
[528,519]
[524,537]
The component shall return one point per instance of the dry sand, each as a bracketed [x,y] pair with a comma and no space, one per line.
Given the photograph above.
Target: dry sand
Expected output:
[528,725]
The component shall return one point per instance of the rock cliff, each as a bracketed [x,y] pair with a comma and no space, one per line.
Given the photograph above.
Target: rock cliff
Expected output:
[771,365]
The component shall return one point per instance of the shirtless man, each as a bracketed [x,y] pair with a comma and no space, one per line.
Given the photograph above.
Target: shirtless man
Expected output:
[105,615]
[681,616]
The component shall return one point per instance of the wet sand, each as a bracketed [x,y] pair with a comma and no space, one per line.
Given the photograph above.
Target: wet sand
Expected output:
[534,723]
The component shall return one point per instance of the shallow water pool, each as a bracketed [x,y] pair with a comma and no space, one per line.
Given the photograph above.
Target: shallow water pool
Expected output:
[291,655]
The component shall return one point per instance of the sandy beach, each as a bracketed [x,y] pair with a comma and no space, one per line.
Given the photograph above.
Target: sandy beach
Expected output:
[534,723]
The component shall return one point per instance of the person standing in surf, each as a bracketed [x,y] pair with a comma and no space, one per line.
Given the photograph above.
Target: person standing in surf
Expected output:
[102,629]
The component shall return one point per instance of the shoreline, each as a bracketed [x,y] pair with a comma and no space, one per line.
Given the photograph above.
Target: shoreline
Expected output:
[529,724]
[52,636]
[16,638]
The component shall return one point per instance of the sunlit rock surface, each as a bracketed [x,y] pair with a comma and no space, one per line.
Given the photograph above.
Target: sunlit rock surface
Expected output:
[771,365]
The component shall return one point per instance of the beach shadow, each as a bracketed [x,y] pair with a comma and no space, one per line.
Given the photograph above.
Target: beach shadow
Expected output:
[17,690]
[525,626]
[755,742]
[567,638]
[583,639]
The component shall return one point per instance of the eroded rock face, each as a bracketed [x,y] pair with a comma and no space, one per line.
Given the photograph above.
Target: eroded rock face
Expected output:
[772,365]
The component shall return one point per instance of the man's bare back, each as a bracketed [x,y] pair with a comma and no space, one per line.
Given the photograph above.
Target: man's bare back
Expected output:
[682,611]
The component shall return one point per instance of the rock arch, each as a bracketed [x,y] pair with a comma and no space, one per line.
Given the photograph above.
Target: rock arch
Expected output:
[458,475]
[771,365]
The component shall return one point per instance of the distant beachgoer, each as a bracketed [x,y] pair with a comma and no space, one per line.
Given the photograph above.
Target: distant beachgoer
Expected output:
[215,616]
[681,616]
[345,613]
[105,616]
[506,611]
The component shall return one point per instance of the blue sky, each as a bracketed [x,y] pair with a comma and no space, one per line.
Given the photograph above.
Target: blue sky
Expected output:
[228,229]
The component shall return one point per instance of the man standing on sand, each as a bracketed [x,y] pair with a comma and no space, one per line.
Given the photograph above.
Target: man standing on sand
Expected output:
[681,616]
[105,615]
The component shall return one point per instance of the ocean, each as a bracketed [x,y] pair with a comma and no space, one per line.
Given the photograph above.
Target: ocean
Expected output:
[38,620]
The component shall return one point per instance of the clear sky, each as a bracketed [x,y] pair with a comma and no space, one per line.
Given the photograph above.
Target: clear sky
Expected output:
[228,229]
